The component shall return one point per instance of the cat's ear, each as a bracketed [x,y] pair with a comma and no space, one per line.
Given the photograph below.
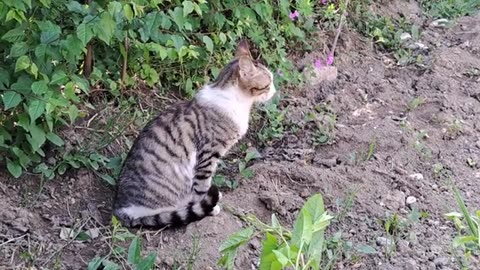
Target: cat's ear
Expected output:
[243,49]
[246,66]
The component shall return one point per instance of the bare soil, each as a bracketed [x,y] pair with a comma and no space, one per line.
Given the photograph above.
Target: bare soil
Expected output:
[371,98]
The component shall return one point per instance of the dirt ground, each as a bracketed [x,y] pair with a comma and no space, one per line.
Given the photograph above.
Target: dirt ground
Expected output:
[374,101]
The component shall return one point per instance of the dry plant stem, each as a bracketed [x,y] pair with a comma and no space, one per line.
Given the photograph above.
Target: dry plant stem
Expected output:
[339,29]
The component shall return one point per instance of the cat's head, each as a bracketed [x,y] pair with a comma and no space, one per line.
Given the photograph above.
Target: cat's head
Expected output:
[249,75]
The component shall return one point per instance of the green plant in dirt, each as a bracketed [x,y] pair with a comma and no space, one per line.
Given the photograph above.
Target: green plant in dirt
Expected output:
[419,144]
[358,157]
[467,224]
[250,155]
[118,254]
[48,47]
[450,9]
[325,120]
[415,103]
[273,123]
[222,181]
[301,248]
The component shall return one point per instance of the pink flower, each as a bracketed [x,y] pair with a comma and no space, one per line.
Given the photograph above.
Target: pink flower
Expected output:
[324,2]
[294,15]
[330,59]
[318,64]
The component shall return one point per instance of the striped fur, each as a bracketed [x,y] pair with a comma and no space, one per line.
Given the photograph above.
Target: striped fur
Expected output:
[166,178]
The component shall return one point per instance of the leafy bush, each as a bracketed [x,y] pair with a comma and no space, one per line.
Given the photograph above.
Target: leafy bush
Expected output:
[301,248]
[54,52]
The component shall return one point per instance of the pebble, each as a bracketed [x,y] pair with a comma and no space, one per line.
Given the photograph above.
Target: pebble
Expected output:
[383,241]
[411,200]
[441,261]
[405,36]
[416,176]
[440,23]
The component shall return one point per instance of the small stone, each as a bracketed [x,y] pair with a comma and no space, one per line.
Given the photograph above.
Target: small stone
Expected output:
[383,241]
[305,193]
[441,23]
[411,200]
[403,246]
[405,36]
[416,176]
[441,261]
[169,261]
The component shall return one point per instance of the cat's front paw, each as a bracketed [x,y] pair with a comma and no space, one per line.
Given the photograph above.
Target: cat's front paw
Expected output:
[216,210]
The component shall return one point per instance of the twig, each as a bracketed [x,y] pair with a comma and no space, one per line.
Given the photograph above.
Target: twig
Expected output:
[339,29]
[13,239]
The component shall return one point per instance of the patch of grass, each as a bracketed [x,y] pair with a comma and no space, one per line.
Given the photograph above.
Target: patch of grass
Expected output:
[274,125]
[450,9]
[415,103]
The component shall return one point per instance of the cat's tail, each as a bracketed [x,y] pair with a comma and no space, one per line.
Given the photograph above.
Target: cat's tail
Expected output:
[181,216]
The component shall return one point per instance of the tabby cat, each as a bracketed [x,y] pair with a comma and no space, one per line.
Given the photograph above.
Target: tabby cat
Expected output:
[166,178]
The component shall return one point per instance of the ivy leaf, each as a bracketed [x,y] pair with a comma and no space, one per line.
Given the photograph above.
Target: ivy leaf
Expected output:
[23,62]
[36,138]
[187,8]
[84,33]
[39,87]
[14,168]
[35,109]
[105,28]
[74,6]
[127,10]
[208,43]
[55,139]
[4,78]
[11,99]
[49,31]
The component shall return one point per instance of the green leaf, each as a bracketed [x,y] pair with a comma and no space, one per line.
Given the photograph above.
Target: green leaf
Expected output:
[105,28]
[58,78]
[73,113]
[128,12]
[222,37]
[23,62]
[34,70]
[19,49]
[35,109]
[36,138]
[282,259]
[22,157]
[14,35]
[237,239]
[151,26]
[50,32]
[187,8]
[228,259]
[208,43]
[4,78]
[95,263]
[84,33]
[39,87]
[134,251]
[55,139]
[46,3]
[148,262]
[366,249]
[268,259]
[14,168]
[74,6]
[11,99]
[178,18]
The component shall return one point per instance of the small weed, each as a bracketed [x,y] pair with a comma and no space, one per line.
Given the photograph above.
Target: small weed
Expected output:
[450,9]
[358,157]
[325,120]
[222,181]
[468,238]
[415,103]
[453,130]
[419,145]
[274,121]
[242,165]
[298,249]
[118,255]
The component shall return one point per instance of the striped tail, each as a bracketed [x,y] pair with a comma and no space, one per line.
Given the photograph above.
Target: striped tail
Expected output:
[179,217]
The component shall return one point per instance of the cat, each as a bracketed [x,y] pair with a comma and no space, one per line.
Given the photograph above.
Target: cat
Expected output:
[166,179]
